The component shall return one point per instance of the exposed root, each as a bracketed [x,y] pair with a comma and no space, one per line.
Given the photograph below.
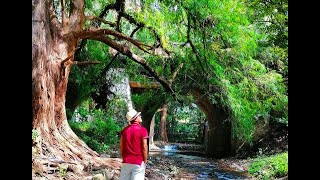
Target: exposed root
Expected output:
[61,153]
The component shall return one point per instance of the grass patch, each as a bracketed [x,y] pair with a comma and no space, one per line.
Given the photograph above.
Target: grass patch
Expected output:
[270,167]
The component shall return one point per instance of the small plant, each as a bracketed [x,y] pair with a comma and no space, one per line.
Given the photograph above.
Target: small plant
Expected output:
[270,167]
[34,136]
[62,170]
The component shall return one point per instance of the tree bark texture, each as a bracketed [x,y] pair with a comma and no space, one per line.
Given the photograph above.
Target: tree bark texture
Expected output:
[55,38]
[162,128]
[50,70]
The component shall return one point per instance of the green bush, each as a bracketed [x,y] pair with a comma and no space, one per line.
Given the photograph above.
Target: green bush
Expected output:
[270,167]
[100,134]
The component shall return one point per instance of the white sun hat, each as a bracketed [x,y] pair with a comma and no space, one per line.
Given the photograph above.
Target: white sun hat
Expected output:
[132,114]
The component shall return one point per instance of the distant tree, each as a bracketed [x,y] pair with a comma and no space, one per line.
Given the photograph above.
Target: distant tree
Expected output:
[163,123]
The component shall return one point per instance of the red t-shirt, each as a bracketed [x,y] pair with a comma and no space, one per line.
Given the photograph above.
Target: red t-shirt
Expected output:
[132,136]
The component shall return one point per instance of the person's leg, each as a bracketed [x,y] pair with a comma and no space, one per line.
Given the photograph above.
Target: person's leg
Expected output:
[138,172]
[125,173]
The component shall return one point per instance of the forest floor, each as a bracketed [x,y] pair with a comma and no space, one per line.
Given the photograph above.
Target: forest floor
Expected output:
[179,167]
[160,168]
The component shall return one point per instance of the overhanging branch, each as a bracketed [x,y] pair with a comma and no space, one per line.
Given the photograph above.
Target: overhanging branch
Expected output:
[126,51]
[89,34]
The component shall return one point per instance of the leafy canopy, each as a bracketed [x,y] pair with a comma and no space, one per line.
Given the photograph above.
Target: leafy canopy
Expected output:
[213,45]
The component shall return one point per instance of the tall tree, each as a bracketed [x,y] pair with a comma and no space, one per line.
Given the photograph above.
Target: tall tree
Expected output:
[196,44]
[57,30]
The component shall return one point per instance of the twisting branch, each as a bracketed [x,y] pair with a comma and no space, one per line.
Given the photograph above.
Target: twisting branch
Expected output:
[96,22]
[106,9]
[191,44]
[118,6]
[126,51]
[85,34]
[135,30]
[139,24]
[112,24]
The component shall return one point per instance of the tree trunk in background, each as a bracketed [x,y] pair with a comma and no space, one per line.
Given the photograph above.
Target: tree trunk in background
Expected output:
[55,139]
[151,134]
[162,128]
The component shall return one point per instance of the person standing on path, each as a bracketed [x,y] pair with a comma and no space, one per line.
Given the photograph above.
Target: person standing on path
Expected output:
[133,148]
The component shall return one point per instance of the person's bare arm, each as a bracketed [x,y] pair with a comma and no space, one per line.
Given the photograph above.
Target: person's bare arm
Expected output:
[145,150]
[121,146]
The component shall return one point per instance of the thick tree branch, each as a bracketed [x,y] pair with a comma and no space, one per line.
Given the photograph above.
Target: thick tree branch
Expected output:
[97,22]
[54,23]
[87,34]
[126,51]
[112,24]
[85,62]
[118,6]
[77,17]
[63,13]
[69,57]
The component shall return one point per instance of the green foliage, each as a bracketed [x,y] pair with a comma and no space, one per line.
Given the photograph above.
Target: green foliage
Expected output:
[254,97]
[34,135]
[184,122]
[99,134]
[62,170]
[117,108]
[271,20]
[82,77]
[236,58]
[270,167]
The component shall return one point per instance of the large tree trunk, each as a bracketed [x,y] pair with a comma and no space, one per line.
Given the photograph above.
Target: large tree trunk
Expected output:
[56,140]
[162,127]
[49,85]
[54,40]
